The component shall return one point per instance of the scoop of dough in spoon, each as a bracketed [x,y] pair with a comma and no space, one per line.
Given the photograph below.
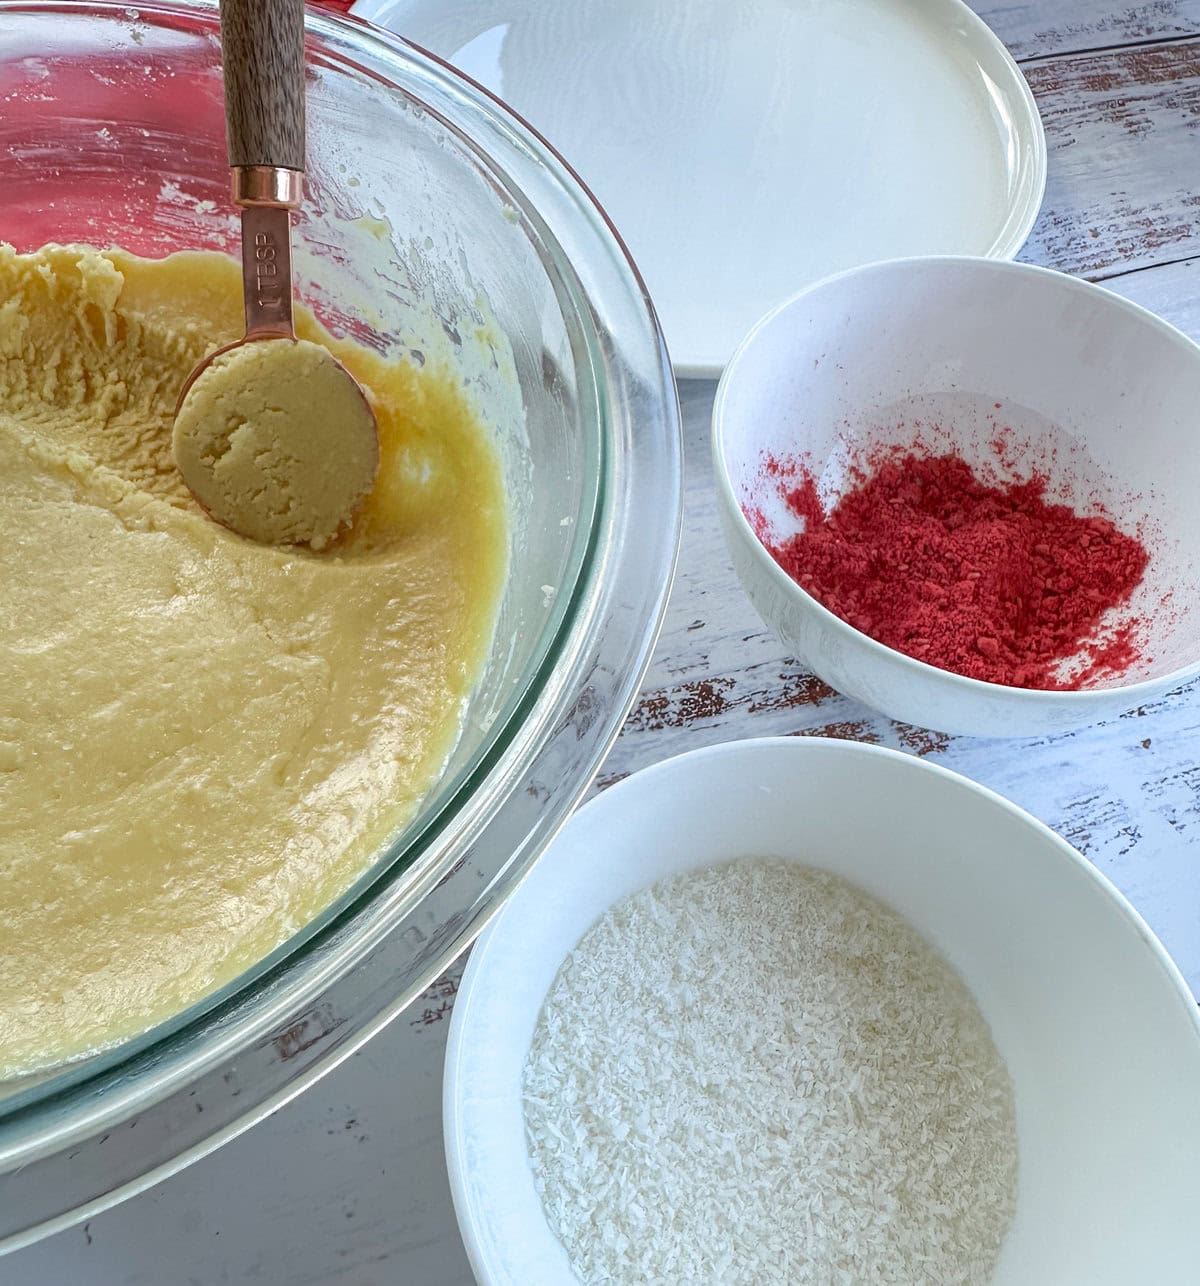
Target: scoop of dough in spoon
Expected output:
[276,440]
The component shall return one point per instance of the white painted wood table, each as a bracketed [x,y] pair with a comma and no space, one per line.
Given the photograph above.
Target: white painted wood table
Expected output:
[347,1185]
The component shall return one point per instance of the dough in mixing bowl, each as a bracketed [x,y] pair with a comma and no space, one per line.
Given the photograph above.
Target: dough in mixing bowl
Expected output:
[203,740]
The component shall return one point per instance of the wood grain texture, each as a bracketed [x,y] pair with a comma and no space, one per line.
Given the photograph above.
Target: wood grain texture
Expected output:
[1049,27]
[1123,136]
[262,46]
[1172,290]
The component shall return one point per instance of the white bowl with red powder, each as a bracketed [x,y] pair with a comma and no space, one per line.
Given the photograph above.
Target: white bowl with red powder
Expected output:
[964,491]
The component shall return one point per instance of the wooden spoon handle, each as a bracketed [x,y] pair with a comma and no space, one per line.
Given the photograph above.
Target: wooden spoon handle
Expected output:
[262,43]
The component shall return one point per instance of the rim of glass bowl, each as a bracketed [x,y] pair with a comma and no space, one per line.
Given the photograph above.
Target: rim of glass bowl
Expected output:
[193,1083]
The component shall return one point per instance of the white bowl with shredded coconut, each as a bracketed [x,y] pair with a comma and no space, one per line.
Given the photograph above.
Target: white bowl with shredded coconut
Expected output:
[652,1078]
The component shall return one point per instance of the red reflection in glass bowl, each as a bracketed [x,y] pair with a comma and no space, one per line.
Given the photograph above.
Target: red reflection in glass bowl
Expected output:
[122,149]
[127,149]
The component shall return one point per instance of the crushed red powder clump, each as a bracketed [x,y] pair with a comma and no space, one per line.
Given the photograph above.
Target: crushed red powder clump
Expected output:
[992,581]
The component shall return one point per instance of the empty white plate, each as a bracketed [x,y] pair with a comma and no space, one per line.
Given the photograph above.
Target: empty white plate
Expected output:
[746,150]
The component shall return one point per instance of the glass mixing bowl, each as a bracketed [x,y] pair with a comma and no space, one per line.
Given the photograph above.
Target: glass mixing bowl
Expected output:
[436,222]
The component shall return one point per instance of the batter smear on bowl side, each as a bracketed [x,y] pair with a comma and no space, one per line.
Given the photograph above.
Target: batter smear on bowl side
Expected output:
[203,740]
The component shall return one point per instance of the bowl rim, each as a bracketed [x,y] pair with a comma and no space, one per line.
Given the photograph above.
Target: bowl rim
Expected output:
[1078,698]
[477,975]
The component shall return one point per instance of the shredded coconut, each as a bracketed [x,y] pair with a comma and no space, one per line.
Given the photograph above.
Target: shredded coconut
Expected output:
[757,1073]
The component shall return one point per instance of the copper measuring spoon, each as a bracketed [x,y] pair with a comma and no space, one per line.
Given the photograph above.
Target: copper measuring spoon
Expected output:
[274,437]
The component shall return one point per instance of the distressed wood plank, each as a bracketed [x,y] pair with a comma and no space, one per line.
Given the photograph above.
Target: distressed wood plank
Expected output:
[1123,133]
[1068,26]
[1171,290]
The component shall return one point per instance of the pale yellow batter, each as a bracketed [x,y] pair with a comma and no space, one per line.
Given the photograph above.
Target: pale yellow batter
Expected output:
[203,740]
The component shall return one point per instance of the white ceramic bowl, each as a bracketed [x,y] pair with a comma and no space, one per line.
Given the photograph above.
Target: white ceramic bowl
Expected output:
[1098,1028]
[1098,393]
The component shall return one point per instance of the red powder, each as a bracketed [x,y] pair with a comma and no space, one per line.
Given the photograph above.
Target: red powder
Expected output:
[990,581]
